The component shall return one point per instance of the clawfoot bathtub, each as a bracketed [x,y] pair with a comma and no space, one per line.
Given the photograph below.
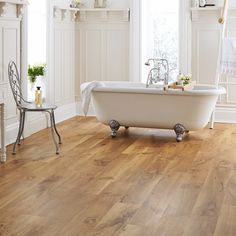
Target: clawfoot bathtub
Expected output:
[132,105]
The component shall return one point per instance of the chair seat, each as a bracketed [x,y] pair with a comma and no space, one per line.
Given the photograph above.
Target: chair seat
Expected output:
[33,107]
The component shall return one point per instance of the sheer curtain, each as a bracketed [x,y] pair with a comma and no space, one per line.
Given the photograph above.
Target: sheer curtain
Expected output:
[36,42]
[160,33]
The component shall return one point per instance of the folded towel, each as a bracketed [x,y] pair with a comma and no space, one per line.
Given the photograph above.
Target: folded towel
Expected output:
[86,91]
[228,56]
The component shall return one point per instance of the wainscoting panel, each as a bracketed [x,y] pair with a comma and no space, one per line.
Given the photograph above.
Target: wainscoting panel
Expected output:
[58,52]
[10,51]
[206,32]
[102,48]
[64,62]
[117,59]
[205,53]
[10,43]
[93,55]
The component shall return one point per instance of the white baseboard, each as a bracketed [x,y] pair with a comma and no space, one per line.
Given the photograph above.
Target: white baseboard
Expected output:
[79,110]
[38,121]
[11,132]
[35,122]
[225,115]
[65,112]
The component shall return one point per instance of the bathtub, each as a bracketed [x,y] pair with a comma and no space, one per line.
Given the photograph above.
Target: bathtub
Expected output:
[130,104]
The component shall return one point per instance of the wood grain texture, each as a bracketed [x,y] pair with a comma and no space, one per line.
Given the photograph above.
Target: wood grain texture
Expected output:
[140,183]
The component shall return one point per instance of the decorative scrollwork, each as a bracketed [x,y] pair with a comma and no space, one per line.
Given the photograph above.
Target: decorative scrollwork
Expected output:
[15,83]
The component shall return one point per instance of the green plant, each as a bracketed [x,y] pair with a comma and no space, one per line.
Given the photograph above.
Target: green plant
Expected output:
[186,79]
[34,71]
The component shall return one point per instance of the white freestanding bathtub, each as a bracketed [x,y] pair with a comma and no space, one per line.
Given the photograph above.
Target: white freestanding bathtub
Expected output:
[131,104]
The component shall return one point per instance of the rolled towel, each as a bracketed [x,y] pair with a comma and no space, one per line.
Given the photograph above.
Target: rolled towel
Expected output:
[86,91]
[228,56]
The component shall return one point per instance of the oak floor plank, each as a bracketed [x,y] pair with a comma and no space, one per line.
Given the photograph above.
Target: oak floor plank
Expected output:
[140,183]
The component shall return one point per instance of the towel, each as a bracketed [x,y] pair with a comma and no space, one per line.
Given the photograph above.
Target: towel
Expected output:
[228,56]
[86,91]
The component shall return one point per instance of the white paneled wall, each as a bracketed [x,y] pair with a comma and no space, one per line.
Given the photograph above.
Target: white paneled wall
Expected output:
[102,47]
[102,51]
[64,53]
[206,34]
[10,38]
[61,61]
[87,45]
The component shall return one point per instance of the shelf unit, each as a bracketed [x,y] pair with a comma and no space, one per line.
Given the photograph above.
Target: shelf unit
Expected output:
[204,12]
[10,8]
[210,9]
[83,13]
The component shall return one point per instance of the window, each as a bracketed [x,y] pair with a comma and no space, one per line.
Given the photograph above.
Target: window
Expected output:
[36,42]
[160,33]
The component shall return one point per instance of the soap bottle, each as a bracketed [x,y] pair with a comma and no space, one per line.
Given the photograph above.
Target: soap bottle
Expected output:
[38,96]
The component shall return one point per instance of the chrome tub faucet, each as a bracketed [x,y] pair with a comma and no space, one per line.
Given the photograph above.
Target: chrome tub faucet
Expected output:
[161,70]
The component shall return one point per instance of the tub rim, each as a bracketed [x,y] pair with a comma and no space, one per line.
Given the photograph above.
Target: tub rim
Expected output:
[199,89]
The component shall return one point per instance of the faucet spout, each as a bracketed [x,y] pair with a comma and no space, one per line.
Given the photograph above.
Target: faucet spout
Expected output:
[159,72]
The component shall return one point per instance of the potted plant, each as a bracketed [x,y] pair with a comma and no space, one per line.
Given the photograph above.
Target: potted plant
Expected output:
[34,71]
[186,79]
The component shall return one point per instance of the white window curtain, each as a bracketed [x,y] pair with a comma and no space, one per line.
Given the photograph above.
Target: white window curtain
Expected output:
[142,49]
[160,32]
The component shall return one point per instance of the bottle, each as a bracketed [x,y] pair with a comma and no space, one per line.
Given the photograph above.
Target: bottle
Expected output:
[178,79]
[202,3]
[38,96]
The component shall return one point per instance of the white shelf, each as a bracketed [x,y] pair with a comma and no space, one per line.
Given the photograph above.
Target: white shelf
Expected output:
[104,9]
[93,9]
[12,8]
[17,2]
[204,13]
[84,13]
[210,8]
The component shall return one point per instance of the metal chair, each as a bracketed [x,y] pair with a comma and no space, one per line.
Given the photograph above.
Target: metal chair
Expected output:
[23,106]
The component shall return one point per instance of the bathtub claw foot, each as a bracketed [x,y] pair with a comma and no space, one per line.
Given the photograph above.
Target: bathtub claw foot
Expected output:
[180,131]
[114,125]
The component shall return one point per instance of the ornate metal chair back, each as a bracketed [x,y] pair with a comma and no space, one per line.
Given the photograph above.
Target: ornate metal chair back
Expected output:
[15,83]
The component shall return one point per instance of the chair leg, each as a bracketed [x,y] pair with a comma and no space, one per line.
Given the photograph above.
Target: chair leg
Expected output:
[55,128]
[19,133]
[22,127]
[53,132]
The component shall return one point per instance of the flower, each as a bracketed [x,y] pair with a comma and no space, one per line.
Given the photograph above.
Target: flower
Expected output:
[186,79]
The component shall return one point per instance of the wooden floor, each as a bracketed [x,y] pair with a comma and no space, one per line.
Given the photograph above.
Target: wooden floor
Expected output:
[141,183]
